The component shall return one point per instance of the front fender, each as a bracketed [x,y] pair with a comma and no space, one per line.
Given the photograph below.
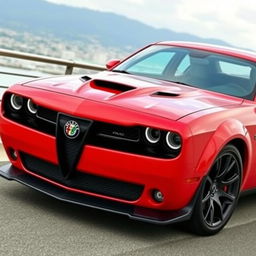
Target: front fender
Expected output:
[226,132]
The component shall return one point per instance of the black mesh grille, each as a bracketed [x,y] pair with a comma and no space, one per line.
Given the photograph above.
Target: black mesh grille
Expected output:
[83,181]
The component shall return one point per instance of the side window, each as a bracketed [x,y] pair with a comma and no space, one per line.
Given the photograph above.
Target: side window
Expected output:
[154,64]
[183,66]
[235,69]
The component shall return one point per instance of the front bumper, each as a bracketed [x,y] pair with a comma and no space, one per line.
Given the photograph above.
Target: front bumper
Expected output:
[10,172]
[176,177]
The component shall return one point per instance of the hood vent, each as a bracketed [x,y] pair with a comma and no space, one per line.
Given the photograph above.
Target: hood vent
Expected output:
[85,78]
[110,86]
[165,94]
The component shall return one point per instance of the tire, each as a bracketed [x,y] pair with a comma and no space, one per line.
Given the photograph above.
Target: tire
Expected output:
[218,193]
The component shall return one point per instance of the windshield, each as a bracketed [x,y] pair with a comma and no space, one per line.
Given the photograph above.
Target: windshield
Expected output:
[202,69]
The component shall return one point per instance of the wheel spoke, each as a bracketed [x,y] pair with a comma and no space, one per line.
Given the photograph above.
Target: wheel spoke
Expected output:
[231,180]
[227,196]
[218,203]
[218,166]
[227,167]
[231,166]
[206,198]
[212,214]
[208,211]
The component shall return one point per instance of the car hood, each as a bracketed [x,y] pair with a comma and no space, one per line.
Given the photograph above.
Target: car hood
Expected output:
[152,96]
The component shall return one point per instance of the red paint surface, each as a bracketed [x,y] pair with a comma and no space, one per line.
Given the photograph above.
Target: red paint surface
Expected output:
[206,120]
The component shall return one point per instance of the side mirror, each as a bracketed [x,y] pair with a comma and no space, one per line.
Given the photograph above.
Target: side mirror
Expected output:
[112,63]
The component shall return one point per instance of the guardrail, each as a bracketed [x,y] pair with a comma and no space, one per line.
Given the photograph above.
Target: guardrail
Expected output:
[70,65]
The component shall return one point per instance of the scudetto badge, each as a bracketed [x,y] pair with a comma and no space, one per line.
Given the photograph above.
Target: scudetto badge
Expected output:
[71,129]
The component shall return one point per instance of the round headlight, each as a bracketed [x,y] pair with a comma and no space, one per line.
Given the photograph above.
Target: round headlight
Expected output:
[32,107]
[16,101]
[173,140]
[152,135]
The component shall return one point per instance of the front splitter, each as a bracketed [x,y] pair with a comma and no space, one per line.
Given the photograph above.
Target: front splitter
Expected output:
[10,172]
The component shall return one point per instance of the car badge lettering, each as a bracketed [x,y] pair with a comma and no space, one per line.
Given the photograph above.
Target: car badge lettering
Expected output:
[120,134]
[71,129]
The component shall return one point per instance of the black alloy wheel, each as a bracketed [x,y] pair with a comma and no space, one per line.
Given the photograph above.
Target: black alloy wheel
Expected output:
[219,193]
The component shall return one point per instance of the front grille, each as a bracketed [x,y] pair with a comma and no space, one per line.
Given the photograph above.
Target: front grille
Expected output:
[83,181]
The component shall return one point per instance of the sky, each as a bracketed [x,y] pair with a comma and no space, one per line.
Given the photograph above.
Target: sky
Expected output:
[231,20]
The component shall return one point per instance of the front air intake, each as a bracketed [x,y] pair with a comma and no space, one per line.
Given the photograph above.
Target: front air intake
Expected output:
[110,86]
[82,180]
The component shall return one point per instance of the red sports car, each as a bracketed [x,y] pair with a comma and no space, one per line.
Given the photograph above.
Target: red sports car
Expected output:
[166,135]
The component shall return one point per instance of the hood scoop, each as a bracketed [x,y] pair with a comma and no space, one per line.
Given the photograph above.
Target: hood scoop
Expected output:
[110,86]
[165,94]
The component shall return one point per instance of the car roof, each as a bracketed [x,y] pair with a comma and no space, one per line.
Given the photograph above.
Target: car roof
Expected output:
[238,53]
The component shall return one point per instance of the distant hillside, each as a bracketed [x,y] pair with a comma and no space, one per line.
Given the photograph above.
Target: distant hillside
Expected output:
[69,23]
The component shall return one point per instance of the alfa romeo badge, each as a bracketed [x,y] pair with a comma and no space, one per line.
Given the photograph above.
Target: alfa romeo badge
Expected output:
[71,129]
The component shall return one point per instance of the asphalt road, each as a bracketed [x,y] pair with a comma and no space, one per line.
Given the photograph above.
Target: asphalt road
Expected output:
[34,224]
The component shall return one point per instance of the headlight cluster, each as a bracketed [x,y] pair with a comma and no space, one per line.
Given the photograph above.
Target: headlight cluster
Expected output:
[25,111]
[170,139]
[18,102]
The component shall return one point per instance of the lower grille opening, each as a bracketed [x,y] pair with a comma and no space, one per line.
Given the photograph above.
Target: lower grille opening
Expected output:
[83,181]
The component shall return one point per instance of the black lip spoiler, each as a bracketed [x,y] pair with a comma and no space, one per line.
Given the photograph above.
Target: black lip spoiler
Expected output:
[10,172]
